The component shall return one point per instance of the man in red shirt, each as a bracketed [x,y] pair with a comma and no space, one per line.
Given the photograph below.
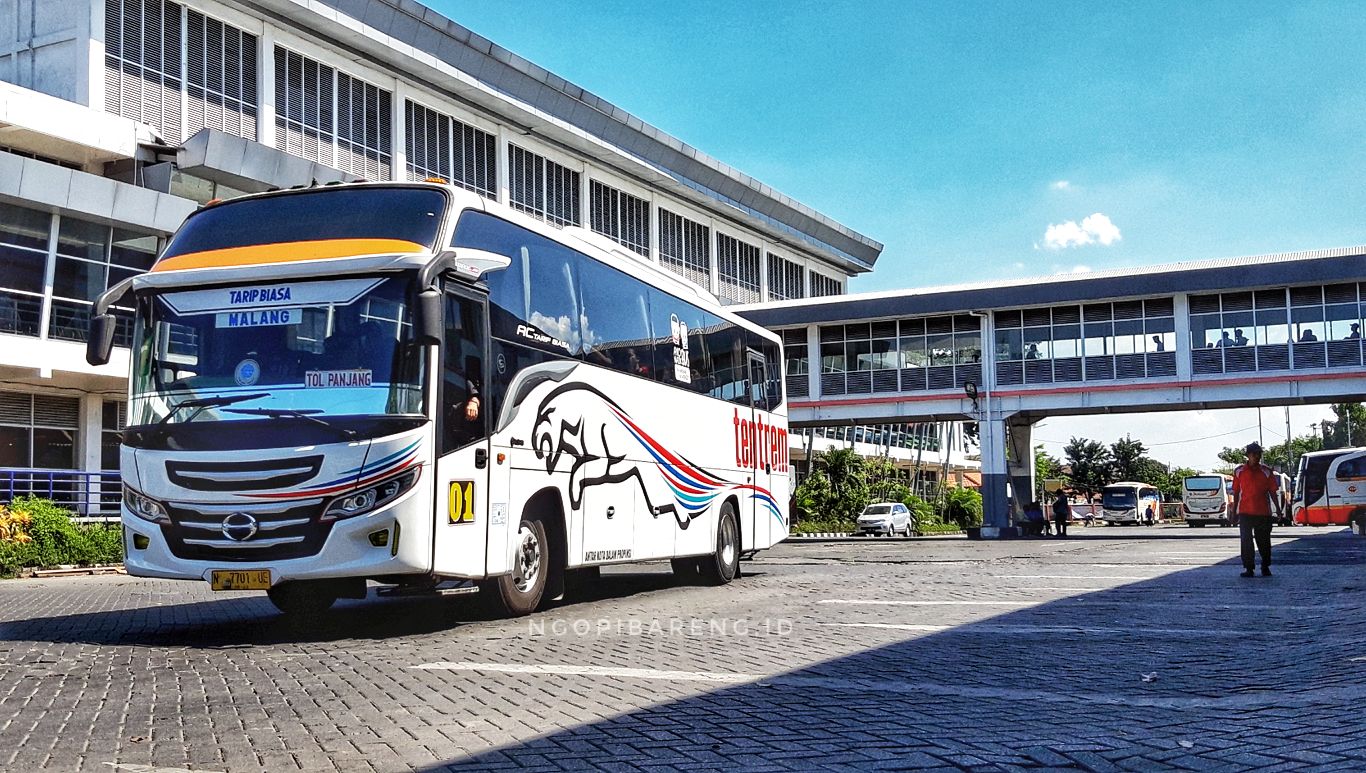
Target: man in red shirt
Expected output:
[1254,497]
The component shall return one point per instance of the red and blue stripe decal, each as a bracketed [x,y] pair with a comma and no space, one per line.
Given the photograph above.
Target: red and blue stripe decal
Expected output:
[694,489]
[356,477]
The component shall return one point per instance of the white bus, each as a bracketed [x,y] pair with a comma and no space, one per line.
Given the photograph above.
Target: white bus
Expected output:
[1330,489]
[1130,502]
[410,384]
[1207,499]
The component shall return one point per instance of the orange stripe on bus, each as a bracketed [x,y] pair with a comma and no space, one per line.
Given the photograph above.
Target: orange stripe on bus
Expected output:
[286,252]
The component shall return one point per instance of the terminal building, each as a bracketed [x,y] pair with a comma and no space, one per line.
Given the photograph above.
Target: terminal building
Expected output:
[119,117]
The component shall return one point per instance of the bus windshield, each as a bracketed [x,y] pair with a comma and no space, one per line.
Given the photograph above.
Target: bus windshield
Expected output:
[329,347]
[355,221]
[1118,498]
[1204,483]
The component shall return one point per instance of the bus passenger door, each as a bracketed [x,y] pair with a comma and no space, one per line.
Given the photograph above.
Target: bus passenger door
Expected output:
[463,490]
[609,515]
[754,526]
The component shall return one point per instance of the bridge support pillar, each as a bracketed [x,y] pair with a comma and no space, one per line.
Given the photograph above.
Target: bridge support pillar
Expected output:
[995,503]
[1020,442]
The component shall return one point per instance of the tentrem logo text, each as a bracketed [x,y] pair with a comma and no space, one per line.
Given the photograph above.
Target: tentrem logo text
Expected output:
[759,445]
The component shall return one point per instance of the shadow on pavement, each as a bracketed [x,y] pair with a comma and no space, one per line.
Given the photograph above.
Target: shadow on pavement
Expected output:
[250,619]
[1195,668]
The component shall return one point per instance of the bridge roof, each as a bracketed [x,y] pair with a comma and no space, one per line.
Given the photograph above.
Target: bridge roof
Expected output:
[1326,266]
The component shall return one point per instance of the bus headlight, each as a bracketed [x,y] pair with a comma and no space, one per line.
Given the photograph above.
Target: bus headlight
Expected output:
[144,507]
[369,499]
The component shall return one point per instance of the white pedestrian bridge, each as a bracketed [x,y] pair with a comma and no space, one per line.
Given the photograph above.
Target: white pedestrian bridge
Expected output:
[1270,330]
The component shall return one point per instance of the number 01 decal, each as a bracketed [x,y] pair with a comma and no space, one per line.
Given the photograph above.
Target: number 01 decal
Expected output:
[461,501]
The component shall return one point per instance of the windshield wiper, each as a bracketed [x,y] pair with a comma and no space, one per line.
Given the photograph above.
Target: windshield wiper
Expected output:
[200,403]
[281,413]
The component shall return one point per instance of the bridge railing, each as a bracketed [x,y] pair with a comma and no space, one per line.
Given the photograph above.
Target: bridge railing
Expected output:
[91,495]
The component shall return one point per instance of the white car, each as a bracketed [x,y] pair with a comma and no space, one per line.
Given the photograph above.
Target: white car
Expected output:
[890,518]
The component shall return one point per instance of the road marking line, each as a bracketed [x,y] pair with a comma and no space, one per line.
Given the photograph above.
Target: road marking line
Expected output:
[563,670]
[1007,628]
[128,767]
[899,603]
[1074,577]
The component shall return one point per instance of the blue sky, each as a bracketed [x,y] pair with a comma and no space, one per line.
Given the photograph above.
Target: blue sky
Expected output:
[957,133]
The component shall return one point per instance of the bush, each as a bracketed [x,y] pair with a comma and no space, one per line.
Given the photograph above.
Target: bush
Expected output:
[963,506]
[36,533]
[823,527]
[938,528]
[923,511]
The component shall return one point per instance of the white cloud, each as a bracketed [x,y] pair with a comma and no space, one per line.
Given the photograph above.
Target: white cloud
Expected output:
[1093,229]
[1080,269]
[1060,185]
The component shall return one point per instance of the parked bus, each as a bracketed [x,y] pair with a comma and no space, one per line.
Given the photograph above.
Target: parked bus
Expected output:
[1207,499]
[1130,502]
[407,383]
[1330,488]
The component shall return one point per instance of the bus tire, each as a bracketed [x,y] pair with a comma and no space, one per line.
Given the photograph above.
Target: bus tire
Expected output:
[723,565]
[520,591]
[302,599]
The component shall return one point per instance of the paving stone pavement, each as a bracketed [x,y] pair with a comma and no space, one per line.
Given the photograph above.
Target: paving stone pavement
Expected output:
[1116,649]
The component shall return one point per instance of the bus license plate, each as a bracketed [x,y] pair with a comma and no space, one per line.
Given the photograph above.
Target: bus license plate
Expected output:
[238,579]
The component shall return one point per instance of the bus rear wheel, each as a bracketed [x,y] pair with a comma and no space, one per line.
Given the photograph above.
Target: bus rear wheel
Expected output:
[723,565]
[520,591]
[302,599]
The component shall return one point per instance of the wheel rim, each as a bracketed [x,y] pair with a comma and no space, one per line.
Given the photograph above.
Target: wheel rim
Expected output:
[728,542]
[527,568]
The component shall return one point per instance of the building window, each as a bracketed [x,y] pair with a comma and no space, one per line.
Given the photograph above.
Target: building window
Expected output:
[142,67]
[621,217]
[90,259]
[114,419]
[220,77]
[304,102]
[794,349]
[543,188]
[822,285]
[685,248]
[38,431]
[1277,329]
[784,279]
[1095,342]
[737,267]
[364,122]
[24,237]
[440,146]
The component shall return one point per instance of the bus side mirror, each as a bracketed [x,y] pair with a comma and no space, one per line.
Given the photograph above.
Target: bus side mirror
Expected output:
[430,324]
[100,342]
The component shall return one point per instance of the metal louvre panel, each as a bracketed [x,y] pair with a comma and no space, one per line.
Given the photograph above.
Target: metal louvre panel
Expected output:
[859,382]
[16,408]
[1269,299]
[363,118]
[142,63]
[685,248]
[1161,364]
[1343,354]
[794,337]
[1037,317]
[1306,296]
[797,385]
[476,151]
[913,380]
[784,279]
[1130,366]
[1159,307]
[1204,304]
[1240,359]
[965,373]
[53,411]
[832,383]
[1100,368]
[1068,369]
[427,142]
[1009,373]
[1039,372]
[940,377]
[621,217]
[220,77]
[737,265]
[1311,355]
[304,114]
[822,285]
[1340,293]
[1066,315]
[885,381]
[1273,357]
[1207,361]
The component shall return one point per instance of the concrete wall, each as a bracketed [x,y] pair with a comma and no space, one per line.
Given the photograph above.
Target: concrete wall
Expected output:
[45,46]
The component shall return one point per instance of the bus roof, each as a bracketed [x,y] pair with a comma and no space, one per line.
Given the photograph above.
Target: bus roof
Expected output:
[1332,452]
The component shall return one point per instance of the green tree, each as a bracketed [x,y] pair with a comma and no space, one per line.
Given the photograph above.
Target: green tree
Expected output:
[963,506]
[1128,461]
[845,470]
[812,497]
[1090,461]
[1349,430]
[885,482]
[1275,456]
[1046,467]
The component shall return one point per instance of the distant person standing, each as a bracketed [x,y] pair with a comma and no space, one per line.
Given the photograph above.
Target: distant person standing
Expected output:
[1062,512]
[1255,494]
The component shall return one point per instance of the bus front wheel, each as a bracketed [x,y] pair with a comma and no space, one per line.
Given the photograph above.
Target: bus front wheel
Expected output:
[723,565]
[519,592]
[302,599]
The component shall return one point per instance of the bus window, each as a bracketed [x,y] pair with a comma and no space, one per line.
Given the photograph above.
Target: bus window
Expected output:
[680,356]
[464,405]
[615,321]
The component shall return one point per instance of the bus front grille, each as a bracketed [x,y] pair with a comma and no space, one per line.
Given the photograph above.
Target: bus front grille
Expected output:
[242,533]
